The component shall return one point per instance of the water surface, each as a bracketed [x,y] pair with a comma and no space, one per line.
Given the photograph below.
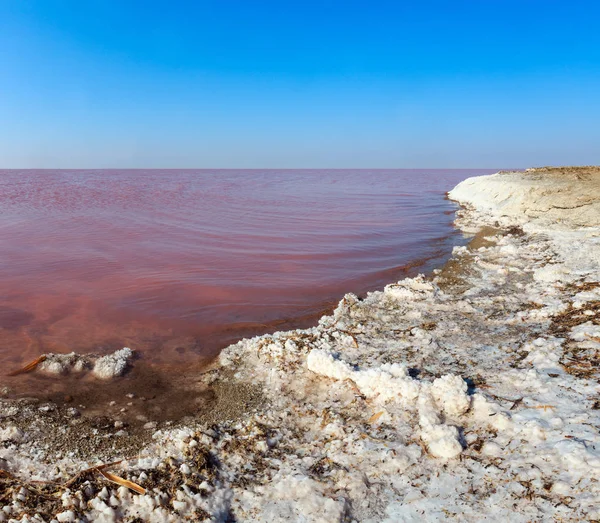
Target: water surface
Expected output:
[177,264]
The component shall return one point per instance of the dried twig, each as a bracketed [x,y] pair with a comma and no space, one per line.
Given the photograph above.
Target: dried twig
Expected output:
[91,469]
[516,403]
[29,367]
[120,481]
[375,417]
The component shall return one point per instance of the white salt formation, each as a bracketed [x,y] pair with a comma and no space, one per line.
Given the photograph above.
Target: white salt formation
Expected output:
[112,365]
[472,396]
[103,367]
[558,198]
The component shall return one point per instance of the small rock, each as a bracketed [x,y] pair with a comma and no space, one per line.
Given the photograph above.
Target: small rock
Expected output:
[179,505]
[119,424]
[10,411]
[150,425]
[11,433]
[22,495]
[73,412]
[66,516]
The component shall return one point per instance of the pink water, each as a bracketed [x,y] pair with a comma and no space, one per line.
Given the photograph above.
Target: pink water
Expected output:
[176,264]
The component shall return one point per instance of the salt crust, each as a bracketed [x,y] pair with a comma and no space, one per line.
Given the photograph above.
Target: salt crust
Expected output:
[422,402]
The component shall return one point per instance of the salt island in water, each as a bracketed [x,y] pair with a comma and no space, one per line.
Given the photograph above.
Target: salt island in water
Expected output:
[470,395]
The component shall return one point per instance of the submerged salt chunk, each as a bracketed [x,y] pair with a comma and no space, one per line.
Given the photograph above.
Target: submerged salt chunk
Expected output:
[113,365]
[103,367]
[63,363]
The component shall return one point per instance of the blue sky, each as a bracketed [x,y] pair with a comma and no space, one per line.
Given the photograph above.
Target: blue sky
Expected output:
[488,83]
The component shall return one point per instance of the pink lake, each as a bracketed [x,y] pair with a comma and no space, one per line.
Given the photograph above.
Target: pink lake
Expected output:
[177,264]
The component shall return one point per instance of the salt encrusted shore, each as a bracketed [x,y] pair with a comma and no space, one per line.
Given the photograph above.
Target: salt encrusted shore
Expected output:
[472,395]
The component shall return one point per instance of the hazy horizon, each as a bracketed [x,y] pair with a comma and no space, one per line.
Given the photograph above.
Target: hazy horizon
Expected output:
[485,168]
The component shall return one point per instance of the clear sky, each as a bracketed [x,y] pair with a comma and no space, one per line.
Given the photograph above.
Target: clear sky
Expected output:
[118,83]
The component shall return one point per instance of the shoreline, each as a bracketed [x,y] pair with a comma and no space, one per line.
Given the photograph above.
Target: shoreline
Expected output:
[126,278]
[467,394]
[139,391]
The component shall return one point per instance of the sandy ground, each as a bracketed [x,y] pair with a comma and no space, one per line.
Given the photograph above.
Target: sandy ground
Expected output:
[471,395]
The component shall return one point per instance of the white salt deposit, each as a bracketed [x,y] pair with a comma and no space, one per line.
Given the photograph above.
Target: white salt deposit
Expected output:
[11,433]
[462,398]
[112,365]
[64,363]
[103,367]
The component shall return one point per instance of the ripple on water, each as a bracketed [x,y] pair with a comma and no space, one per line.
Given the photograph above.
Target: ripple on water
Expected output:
[178,264]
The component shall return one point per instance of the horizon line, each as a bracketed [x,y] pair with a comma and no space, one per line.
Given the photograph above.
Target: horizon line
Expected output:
[251,168]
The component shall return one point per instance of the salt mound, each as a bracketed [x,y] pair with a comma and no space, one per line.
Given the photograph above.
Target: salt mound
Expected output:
[113,365]
[64,363]
[392,384]
[551,197]
[103,367]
